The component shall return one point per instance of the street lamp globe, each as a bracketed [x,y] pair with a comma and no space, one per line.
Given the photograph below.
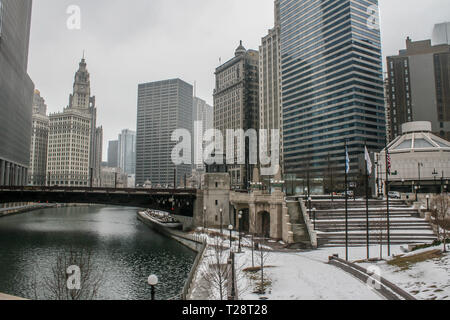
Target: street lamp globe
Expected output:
[230,227]
[153,280]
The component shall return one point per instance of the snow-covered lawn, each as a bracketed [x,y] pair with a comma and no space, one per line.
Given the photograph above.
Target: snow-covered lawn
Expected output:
[295,276]
[307,276]
[427,280]
[291,276]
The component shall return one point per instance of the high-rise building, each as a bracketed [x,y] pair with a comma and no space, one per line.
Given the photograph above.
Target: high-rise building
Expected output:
[419,87]
[113,154]
[37,173]
[441,34]
[75,143]
[16,92]
[163,107]
[271,117]
[204,113]
[236,106]
[127,151]
[332,85]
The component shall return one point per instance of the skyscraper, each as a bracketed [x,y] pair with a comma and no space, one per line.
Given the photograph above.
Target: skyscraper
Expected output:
[204,113]
[236,105]
[419,87]
[37,173]
[113,154]
[127,151]
[441,34]
[75,143]
[163,107]
[271,117]
[16,92]
[332,84]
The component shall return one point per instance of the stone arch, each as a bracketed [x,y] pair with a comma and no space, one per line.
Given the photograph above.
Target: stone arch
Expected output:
[263,224]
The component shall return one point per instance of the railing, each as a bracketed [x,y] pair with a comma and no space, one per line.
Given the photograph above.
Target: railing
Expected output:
[94,189]
[309,226]
[193,272]
[387,288]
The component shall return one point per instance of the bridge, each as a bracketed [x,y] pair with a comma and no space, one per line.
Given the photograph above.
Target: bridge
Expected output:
[180,202]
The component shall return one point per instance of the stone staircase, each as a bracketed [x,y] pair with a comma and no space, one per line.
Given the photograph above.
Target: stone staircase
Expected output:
[405,223]
[299,229]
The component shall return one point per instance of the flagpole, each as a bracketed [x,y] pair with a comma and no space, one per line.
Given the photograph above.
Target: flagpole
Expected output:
[367,202]
[388,169]
[346,200]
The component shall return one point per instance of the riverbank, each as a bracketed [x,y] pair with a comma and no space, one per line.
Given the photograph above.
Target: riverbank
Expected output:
[36,206]
[192,241]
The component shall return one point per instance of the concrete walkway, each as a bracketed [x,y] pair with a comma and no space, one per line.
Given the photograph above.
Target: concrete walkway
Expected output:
[4,297]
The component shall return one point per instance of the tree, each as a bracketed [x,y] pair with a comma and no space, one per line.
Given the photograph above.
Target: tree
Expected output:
[215,268]
[74,276]
[263,255]
[441,216]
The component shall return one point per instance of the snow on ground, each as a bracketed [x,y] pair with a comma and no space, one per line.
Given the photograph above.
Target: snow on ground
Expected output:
[424,280]
[307,276]
[295,276]
[292,276]
[427,280]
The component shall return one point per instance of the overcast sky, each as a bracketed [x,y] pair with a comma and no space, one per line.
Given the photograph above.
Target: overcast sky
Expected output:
[128,42]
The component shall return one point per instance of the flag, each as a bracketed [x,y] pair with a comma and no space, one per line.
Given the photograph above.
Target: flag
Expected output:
[347,161]
[368,162]
[388,165]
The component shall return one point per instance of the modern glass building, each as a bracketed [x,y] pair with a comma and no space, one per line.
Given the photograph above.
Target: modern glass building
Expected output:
[332,84]
[127,151]
[163,107]
[16,92]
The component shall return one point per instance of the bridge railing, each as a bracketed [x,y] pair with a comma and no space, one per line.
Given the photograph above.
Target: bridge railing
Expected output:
[93,189]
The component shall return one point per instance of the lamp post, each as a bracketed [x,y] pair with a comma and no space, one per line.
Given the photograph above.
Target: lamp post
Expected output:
[419,165]
[309,205]
[416,188]
[221,221]
[230,227]
[153,281]
[240,229]
[428,202]
[204,219]
[314,214]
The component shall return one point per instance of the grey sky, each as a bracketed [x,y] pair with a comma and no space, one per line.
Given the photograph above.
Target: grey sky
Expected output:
[135,41]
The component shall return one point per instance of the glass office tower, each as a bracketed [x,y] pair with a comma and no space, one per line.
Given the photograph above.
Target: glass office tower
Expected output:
[332,85]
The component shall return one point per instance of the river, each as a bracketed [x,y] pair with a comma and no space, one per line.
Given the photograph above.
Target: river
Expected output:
[123,248]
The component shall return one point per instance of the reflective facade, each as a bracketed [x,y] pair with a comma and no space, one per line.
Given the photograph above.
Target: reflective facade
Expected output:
[127,151]
[332,83]
[16,92]
[163,107]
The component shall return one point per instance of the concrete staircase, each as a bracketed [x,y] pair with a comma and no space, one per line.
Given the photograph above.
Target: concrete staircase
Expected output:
[299,229]
[405,223]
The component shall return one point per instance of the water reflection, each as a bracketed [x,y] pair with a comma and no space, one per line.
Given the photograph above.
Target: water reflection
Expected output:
[126,249]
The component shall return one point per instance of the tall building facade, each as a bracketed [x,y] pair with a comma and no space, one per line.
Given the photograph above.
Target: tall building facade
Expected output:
[16,92]
[75,147]
[163,107]
[271,116]
[236,106]
[127,151]
[204,113]
[332,85]
[441,34]
[419,87]
[37,173]
[113,154]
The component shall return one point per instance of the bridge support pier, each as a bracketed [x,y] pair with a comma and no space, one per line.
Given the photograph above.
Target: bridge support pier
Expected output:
[2,172]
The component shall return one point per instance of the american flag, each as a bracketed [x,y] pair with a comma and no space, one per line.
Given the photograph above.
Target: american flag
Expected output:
[388,157]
